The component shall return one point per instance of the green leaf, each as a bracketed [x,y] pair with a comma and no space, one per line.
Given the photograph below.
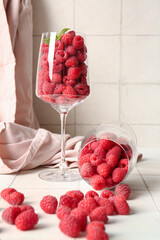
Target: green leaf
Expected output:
[58,36]
[47,40]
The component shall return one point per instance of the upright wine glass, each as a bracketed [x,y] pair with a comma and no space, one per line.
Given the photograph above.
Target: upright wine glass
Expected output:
[62,81]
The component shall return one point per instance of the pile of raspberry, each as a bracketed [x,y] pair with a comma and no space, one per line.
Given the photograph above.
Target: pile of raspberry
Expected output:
[68,83]
[104,163]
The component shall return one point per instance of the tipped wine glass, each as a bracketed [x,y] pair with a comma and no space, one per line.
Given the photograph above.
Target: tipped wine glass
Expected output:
[62,81]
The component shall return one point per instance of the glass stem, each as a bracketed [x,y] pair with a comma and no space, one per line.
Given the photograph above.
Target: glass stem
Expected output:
[63,117]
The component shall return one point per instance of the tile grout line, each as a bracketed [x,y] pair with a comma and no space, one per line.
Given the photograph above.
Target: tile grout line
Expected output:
[13,179]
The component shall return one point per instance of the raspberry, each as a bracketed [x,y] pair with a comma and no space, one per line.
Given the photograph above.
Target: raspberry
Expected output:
[75,194]
[70,50]
[59,88]
[123,163]
[68,201]
[106,144]
[44,61]
[84,159]
[87,170]
[86,150]
[58,45]
[111,160]
[57,67]
[26,220]
[82,89]
[6,192]
[81,57]
[63,211]
[73,72]
[49,204]
[61,56]
[106,194]
[109,207]
[83,79]
[44,48]
[123,189]
[91,194]
[43,75]
[111,199]
[78,42]
[121,205]
[97,234]
[81,216]
[9,214]
[49,99]
[60,100]
[115,150]
[15,198]
[100,152]
[118,174]
[97,199]
[26,207]
[67,39]
[97,182]
[104,169]
[70,226]
[47,88]
[93,224]
[72,33]
[94,145]
[87,204]
[109,182]
[68,81]
[69,92]
[56,78]
[99,214]
[83,68]
[96,159]
[72,61]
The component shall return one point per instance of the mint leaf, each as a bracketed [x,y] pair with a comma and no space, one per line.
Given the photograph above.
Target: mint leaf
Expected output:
[47,40]
[58,36]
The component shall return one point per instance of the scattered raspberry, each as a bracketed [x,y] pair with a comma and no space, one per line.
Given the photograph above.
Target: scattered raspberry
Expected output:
[67,39]
[73,72]
[91,194]
[81,216]
[104,169]
[106,194]
[61,56]
[6,192]
[99,214]
[70,226]
[123,189]
[97,234]
[84,159]
[123,163]
[47,88]
[78,42]
[15,198]
[97,182]
[82,89]
[109,207]
[81,56]
[26,207]
[109,182]
[118,174]
[49,204]
[115,150]
[72,61]
[111,160]
[68,201]
[96,159]
[111,199]
[57,67]
[56,78]
[75,194]
[121,205]
[63,211]
[26,220]
[70,50]
[106,144]
[87,170]
[100,152]
[9,214]
[87,204]
[93,224]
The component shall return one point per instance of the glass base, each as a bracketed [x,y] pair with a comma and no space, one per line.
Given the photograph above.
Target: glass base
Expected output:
[55,175]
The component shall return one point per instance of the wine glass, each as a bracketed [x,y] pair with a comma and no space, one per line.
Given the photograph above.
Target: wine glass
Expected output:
[62,81]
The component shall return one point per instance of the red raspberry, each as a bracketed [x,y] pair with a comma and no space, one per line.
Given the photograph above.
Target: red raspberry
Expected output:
[72,33]
[43,75]
[44,48]
[118,174]
[91,194]
[9,214]
[123,163]
[26,207]
[63,211]
[93,224]
[106,144]
[78,42]
[15,198]
[56,78]
[83,79]
[58,45]
[44,61]
[73,72]
[86,150]
[87,204]
[109,182]
[59,88]
[87,170]
[70,50]
[72,61]
[97,234]
[109,207]
[57,67]
[6,192]
[123,189]
[100,152]
[26,220]
[111,160]
[84,159]
[68,81]
[49,204]
[111,199]
[97,182]
[106,194]
[82,89]
[96,159]
[48,99]
[70,226]
[94,145]
[97,199]
[83,68]
[99,214]
[116,151]
[67,39]
[104,169]
[47,88]
[69,92]
[81,57]
[61,100]
[68,201]
[75,194]
[61,56]
[81,216]
[121,205]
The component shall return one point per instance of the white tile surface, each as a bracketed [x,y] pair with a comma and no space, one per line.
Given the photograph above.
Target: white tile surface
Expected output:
[140,104]
[140,17]
[94,17]
[140,59]
[83,129]
[156,198]
[103,58]
[52,15]
[6,180]
[135,182]
[100,107]
[153,182]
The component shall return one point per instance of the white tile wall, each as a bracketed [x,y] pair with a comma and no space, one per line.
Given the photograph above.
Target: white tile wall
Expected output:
[123,38]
